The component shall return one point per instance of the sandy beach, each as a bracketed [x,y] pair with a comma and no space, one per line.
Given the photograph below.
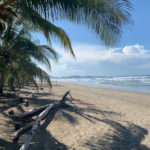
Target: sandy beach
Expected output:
[98,119]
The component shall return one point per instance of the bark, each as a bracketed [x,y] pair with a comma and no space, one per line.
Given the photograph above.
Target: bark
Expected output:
[35,126]
[2,76]
[38,110]
[41,116]
[17,134]
[2,81]
[31,113]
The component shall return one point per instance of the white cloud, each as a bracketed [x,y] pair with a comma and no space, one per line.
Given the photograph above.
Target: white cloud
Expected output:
[131,56]
[94,54]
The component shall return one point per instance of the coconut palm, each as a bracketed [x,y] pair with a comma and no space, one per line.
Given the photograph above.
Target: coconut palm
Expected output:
[105,17]
[17,52]
[24,71]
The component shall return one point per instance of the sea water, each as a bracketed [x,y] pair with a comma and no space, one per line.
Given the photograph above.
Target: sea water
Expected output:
[128,83]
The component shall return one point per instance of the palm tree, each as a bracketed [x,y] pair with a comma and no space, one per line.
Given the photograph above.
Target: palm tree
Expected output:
[24,71]
[16,57]
[105,17]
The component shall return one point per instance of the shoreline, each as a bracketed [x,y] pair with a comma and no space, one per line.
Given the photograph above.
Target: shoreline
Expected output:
[126,83]
[90,86]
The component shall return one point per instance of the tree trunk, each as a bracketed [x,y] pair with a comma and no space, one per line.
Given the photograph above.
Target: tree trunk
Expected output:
[2,81]
[2,75]
[31,113]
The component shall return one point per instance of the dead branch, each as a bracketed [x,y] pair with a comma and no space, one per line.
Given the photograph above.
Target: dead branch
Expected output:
[38,110]
[20,132]
[31,113]
[45,110]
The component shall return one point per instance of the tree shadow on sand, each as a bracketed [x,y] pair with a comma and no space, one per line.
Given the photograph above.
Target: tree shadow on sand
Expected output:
[122,138]
[43,140]
[5,145]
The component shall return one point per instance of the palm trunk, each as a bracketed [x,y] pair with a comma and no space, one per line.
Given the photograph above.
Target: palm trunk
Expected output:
[2,75]
[2,81]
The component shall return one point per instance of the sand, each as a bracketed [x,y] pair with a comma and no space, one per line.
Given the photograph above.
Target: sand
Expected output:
[98,119]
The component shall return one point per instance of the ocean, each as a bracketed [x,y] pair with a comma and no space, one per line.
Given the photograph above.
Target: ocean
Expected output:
[127,83]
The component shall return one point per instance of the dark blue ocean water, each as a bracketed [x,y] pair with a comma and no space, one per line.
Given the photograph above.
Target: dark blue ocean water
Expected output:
[128,83]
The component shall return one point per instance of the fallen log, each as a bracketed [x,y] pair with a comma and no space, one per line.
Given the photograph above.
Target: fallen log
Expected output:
[38,110]
[40,117]
[31,113]
[17,134]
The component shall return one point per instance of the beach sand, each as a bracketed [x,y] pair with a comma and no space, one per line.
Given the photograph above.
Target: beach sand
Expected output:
[98,119]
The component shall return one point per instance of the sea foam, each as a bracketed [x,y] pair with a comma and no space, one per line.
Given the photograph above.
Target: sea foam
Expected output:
[128,83]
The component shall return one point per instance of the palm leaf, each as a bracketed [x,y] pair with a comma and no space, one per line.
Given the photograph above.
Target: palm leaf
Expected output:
[49,29]
[105,17]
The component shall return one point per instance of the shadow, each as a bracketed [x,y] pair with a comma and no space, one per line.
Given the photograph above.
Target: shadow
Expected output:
[88,113]
[121,138]
[38,94]
[5,145]
[43,140]
[70,118]
[48,119]
[8,103]
[19,107]
[85,110]
[25,92]
[41,102]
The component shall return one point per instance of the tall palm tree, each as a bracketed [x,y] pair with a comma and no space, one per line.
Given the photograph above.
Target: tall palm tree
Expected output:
[105,17]
[16,56]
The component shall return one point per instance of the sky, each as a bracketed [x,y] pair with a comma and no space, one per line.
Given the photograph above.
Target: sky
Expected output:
[131,56]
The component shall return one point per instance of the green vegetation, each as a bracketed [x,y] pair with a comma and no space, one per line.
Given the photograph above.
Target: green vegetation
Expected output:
[17,52]
[19,17]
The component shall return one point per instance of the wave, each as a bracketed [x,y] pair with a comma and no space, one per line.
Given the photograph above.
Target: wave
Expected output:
[129,83]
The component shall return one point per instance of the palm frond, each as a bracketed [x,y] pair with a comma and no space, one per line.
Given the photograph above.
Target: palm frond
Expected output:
[49,29]
[105,17]
[16,46]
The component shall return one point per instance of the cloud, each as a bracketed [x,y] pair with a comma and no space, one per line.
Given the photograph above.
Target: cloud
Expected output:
[88,56]
[94,54]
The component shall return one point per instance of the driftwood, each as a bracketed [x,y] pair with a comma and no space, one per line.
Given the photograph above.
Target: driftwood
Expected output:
[17,134]
[38,110]
[31,113]
[42,113]
[35,126]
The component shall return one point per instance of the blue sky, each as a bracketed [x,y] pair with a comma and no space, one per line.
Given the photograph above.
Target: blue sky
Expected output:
[130,57]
